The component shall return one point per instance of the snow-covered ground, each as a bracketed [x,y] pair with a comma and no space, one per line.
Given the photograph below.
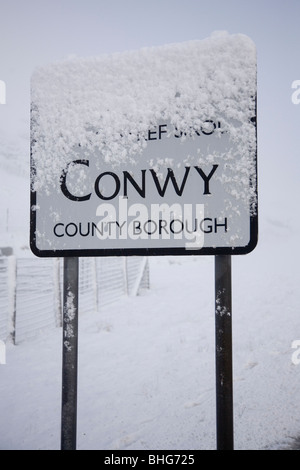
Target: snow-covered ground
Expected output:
[146,365]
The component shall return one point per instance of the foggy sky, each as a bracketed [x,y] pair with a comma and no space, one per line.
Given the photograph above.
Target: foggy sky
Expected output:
[38,32]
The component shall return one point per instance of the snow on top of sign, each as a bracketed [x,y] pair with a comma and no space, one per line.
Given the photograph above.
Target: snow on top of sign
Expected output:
[103,103]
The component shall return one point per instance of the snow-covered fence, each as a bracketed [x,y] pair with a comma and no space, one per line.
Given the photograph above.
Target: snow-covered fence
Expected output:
[137,275]
[31,290]
[104,280]
[88,298]
[4,297]
[36,305]
[111,279]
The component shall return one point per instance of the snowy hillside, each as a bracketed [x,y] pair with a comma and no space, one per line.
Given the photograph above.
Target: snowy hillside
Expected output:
[14,211]
[14,184]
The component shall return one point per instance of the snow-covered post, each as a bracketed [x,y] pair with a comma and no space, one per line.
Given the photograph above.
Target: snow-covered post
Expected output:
[70,354]
[223,326]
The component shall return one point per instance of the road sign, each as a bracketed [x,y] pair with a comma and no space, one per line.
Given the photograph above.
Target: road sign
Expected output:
[146,153]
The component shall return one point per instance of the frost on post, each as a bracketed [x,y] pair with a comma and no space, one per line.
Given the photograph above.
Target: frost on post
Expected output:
[221,309]
[69,316]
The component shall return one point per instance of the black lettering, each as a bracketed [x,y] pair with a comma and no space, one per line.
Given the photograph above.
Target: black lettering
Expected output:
[209,227]
[117,182]
[148,224]
[219,127]
[212,131]
[172,226]
[109,224]
[150,133]
[95,227]
[161,130]
[178,133]
[140,190]
[221,225]
[63,184]
[81,232]
[162,226]
[100,231]
[191,228]
[170,175]
[206,178]
[75,228]
[137,227]
[120,226]
[54,230]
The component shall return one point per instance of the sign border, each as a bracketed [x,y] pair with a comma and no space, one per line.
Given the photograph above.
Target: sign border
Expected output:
[176,251]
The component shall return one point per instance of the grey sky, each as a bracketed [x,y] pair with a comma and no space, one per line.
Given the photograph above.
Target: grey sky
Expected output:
[37,32]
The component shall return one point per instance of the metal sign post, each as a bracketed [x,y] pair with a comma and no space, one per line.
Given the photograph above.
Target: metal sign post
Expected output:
[223,325]
[70,355]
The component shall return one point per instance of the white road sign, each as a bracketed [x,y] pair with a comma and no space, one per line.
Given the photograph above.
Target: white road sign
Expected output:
[151,152]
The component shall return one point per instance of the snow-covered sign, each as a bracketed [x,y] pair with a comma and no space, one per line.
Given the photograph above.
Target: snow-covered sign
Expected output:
[147,152]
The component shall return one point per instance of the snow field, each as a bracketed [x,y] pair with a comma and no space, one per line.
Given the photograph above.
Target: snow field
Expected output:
[146,364]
